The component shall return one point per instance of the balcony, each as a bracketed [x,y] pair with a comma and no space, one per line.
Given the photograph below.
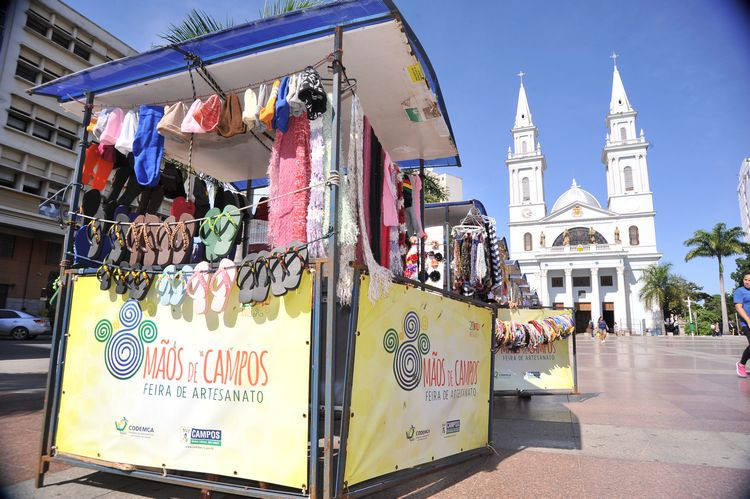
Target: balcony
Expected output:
[579,248]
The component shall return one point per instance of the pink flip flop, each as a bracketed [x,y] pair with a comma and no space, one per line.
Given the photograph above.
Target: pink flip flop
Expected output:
[221,284]
[198,289]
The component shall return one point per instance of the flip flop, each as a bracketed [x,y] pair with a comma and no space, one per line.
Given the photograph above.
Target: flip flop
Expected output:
[278,271]
[138,283]
[117,240]
[81,247]
[296,261]
[247,278]
[164,238]
[179,285]
[96,236]
[164,285]
[104,274]
[197,287]
[181,242]
[134,239]
[263,273]
[120,276]
[150,247]
[221,284]
[207,232]
[226,227]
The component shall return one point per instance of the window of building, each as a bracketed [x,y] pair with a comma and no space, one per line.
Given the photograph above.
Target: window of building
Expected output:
[42,131]
[633,232]
[7,245]
[527,242]
[65,140]
[54,252]
[582,281]
[525,190]
[81,51]
[627,174]
[623,134]
[7,177]
[18,121]
[27,71]
[61,38]
[557,282]
[605,280]
[35,22]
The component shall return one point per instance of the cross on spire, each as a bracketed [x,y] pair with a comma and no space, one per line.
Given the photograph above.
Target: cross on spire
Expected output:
[614,57]
[521,74]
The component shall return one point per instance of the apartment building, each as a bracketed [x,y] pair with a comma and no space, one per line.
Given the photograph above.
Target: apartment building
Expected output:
[40,40]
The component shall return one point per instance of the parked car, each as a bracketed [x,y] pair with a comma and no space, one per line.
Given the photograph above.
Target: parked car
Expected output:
[21,325]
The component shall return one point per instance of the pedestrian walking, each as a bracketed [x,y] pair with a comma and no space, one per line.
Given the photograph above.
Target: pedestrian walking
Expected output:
[601,329]
[590,328]
[616,329]
[742,305]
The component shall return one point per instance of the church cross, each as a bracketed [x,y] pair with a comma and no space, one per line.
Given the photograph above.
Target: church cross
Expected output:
[614,57]
[521,74]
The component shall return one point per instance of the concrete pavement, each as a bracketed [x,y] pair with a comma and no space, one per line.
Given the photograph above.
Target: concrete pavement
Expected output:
[655,417]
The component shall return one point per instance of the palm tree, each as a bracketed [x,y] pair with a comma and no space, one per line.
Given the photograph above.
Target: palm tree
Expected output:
[198,22]
[719,243]
[656,285]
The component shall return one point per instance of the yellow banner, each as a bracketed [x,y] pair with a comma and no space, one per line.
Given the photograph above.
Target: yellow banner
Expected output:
[160,386]
[545,368]
[421,385]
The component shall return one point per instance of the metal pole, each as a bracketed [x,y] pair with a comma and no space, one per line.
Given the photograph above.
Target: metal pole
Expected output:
[333,269]
[315,381]
[690,313]
[62,298]
[422,275]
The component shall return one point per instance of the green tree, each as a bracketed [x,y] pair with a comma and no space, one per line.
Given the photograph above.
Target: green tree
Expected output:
[656,290]
[743,267]
[434,192]
[678,291]
[280,7]
[720,243]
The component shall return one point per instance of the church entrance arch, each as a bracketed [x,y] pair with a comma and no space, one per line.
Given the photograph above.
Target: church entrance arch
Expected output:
[580,235]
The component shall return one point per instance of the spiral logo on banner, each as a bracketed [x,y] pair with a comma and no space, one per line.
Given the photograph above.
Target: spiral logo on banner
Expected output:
[407,361]
[124,350]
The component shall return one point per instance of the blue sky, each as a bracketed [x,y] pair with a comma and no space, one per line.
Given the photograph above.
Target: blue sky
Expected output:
[685,65]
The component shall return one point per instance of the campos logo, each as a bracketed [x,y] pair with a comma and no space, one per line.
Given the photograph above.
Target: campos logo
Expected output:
[414,434]
[124,350]
[198,436]
[407,360]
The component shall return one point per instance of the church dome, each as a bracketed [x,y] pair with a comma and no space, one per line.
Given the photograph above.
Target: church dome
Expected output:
[575,195]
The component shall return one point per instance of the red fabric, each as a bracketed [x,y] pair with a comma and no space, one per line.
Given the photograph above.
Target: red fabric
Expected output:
[385,236]
[208,113]
[402,236]
[288,171]
[366,171]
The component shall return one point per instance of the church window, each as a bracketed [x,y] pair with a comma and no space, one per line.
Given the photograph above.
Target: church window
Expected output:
[627,173]
[623,134]
[633,231]
[524,147]
[583,281]
[525,190]
[557,282]
[605,280]
[527,241]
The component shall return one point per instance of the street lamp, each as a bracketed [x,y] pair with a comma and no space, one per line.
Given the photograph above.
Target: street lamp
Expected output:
[693,326]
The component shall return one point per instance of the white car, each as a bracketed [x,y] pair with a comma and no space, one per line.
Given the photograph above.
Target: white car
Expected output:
[21,325]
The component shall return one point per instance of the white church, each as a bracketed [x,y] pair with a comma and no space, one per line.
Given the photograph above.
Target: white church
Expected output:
[580,254]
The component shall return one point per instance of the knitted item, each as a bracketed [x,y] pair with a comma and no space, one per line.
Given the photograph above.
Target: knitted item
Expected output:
[349,231]
[473,276]
[481,267]
[288,171]
[328,140]
[403,244]
[380,277]
[317,208]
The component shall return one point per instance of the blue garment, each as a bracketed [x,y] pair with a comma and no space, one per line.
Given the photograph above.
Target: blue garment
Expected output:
[602,325]
[742,297]
[148,146]
[281,113]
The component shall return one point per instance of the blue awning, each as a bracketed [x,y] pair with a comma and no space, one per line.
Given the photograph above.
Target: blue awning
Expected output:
[380,51]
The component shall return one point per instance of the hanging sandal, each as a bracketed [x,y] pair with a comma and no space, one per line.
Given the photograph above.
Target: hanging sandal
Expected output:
[278,271]
[139,283]
[181,243]
[116,235]
[148,234]
[221,284]
[226,226]
[134,240]
[295,260]
[164,285]
[164,238]
[208,233]
[197,288]
[263,273]
[179,285]
[247,278]
[120,277]
[104,274]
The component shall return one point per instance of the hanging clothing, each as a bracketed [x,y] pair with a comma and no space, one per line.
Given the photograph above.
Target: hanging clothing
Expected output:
[129,126]
[390,197]
[319,164]
[416,197]
[289,170]
[148,146]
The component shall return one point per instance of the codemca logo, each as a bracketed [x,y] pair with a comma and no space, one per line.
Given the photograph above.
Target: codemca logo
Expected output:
[198,436]
[125,427]
[451,427]
[413,434]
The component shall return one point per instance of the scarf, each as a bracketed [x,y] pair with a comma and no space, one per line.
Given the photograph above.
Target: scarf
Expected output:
[319,163]
[349,232]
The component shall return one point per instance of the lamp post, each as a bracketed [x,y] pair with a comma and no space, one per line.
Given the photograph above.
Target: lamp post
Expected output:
[693,326]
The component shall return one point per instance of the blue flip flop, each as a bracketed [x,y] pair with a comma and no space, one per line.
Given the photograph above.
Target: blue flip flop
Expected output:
[179,285]
[164,285]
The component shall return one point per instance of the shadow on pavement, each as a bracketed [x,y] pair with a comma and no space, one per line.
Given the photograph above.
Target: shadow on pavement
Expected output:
[15,403]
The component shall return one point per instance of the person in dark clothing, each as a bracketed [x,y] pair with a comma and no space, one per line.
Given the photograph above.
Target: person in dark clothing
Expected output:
[742,306]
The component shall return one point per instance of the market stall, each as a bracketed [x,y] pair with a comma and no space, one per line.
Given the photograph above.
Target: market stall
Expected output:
[239,363]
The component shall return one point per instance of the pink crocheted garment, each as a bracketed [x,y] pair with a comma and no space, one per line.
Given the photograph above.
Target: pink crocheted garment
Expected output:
[288,171]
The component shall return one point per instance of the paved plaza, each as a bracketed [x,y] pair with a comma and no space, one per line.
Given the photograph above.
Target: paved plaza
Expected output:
[655,417]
